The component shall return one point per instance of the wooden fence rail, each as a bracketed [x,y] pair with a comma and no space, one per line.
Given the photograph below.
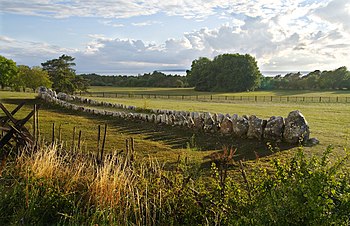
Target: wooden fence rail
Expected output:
[223,98]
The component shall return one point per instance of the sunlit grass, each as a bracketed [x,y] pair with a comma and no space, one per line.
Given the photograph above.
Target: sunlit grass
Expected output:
[191,91]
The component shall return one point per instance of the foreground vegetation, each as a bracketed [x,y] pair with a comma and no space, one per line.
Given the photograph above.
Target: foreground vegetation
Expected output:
[51,186]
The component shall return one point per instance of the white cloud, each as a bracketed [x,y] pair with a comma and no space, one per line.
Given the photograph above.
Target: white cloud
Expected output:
[128,8]
[111,23]
[146,23]
[337,12]
[281,34]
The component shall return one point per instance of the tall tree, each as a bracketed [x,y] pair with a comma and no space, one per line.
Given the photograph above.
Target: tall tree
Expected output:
[227,72]
[61,73]
[201,76]
[8,70]
[34,77]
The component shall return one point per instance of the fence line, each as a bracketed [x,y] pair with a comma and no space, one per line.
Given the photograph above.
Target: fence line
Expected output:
[217,98]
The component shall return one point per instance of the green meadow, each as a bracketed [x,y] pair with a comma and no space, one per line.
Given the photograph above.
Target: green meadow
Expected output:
[191,91]
[328,122]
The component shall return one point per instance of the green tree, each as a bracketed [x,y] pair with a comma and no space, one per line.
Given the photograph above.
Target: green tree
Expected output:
[312,79]
[81,83]
[17,82]
[227,72]
[61,73]
[236,73]
[201,74]
[34,77]
[8,70]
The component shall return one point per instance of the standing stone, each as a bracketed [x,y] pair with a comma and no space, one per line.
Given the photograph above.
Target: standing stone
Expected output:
[198,123]
[190,122]
[256,127]
[183,121]
[159,119]
[152,118]
[226,126]
[221,118]
[171,119]
[240,126]
[209,124]
[274,129]
[296,129]
[164,119]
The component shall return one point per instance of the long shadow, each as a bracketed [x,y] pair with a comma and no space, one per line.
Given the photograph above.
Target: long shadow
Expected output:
[175,137]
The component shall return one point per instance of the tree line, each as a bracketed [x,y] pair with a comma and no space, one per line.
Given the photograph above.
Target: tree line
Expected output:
[338,79]
[56,73]
[154,79]
[226,73]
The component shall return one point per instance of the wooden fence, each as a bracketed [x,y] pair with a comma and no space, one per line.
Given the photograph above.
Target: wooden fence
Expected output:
[220,98]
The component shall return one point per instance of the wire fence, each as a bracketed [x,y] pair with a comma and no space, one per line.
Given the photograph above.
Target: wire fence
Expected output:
[221,98]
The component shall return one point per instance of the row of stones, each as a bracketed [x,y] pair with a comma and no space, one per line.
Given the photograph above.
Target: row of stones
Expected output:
[293,129]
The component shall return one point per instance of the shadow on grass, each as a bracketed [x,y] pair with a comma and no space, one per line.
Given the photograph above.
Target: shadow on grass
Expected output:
[175,137]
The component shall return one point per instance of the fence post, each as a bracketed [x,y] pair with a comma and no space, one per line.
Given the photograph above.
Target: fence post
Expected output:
[103,142]
[256,98]
[241,98]
[271,98]
[337,99]
[287,99]
[225,97]
[53,133]
[320,99]
[73,140]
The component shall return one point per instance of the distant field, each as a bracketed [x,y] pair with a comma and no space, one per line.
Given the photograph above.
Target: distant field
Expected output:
[192,92]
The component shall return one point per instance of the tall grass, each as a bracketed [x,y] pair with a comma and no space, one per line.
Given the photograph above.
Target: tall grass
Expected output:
[54,186]
[60,187]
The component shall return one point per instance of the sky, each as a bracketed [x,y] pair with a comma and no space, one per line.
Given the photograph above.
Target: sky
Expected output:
[140,36]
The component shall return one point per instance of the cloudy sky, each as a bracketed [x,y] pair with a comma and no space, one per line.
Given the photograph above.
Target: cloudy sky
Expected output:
[137,36]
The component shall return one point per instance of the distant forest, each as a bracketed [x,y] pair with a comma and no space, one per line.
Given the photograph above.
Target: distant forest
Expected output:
[155,79]
[338,79]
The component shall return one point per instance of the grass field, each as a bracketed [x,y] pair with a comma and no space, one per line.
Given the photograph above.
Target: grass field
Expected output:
[192,92]
[328,122]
